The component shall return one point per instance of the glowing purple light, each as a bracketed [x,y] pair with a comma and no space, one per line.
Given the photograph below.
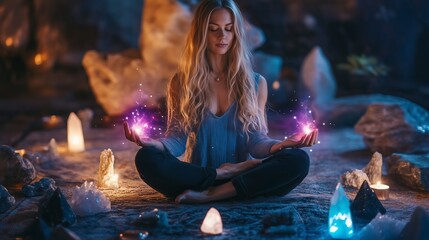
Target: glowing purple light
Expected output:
[307,128]
[140,128]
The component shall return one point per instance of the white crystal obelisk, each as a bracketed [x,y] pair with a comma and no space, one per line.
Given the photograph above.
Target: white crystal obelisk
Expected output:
[53,149]
[75,134]
[106,173]
[212,223]
[340,218]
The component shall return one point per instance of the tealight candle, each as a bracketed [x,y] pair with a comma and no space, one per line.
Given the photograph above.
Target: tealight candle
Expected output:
[381,190]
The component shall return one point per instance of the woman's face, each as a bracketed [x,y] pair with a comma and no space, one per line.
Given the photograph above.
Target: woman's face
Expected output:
[221,32]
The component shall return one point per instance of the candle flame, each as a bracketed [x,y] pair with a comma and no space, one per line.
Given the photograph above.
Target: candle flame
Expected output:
[9,41]
[38,59]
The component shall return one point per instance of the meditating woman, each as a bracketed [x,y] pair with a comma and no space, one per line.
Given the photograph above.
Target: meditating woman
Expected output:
[216,118]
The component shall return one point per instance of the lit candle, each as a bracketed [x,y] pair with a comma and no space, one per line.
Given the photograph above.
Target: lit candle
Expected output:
[381,190]
[52,121]
[212,223]
[75,134]
[106,173]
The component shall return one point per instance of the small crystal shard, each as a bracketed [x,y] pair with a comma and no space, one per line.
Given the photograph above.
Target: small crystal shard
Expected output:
[53,150]
[366,204]
[340,219]
[373,169]
[212,223]
[88,200]
[106,173]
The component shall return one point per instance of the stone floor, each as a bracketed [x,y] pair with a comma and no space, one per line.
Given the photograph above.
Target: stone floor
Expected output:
[340,150]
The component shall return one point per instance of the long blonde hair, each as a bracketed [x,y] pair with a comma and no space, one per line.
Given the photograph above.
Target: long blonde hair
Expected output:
[188,92]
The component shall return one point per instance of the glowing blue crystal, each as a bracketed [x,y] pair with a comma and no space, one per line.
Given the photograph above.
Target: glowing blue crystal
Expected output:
[340,218]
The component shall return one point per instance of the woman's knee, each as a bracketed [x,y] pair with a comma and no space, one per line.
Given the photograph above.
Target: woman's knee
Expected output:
[146,157]
[297,157]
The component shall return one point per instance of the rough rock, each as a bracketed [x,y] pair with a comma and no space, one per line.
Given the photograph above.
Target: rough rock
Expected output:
[410,170]
[6,200]
[55,210]
[39,188]
[418,226]
[374,167]
[395,127]
[14,169]
[381,227]
[354,178]
[366,204]
[280,223]
[152,218]
[346,111]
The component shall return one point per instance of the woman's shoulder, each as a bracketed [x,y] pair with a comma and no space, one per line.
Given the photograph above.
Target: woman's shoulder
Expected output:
[259,80]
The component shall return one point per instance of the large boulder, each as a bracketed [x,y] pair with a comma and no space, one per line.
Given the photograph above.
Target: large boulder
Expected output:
[395,127]
[410,170]
[6,200]
[346,111]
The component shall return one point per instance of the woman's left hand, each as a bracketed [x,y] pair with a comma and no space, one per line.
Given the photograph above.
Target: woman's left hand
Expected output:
[302,140]
[298,140]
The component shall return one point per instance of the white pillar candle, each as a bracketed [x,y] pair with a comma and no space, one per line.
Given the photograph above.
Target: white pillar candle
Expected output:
[212,223]
[75,134]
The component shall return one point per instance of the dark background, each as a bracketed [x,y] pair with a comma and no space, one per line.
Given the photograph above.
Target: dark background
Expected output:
[396,32]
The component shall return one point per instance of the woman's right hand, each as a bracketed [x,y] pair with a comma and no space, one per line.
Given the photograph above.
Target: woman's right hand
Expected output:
[229,170]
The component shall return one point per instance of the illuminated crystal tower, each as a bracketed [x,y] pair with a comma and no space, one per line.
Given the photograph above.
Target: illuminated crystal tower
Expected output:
[340,218]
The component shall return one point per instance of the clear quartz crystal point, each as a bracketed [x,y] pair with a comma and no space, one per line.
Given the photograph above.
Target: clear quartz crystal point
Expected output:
[340,218]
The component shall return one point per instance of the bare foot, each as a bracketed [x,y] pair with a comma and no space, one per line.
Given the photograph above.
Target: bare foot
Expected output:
[220,192]
[190,196]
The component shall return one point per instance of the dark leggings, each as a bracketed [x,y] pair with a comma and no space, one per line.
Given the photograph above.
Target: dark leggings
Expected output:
[277,175]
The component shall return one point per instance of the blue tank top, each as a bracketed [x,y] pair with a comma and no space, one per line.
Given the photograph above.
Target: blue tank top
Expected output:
[220,139]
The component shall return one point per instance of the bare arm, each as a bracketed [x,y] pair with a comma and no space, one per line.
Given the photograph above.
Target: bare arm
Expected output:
[296,141]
